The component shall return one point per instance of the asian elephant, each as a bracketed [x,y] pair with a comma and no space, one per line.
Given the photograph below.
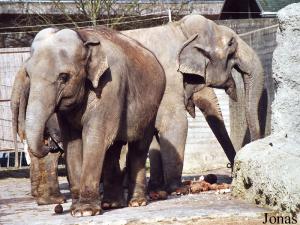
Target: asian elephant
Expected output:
[195,53]
[43,172]
[105,89]
[185,91]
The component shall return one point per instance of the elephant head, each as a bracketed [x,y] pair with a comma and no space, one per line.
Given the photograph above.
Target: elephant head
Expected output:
[60,65]
[208,57]
[19,100]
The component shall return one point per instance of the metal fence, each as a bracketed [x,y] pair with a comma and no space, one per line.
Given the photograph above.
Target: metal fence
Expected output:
[10,61]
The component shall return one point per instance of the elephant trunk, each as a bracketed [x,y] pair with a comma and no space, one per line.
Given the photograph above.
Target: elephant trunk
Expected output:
[39,110]
[253,75]
[207,101]
[230,89]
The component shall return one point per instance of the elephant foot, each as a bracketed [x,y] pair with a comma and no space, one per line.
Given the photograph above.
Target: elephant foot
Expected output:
[113,196]
[82,209]
[137,201]
[113,203]
[156,191]
[51,199]
[178,189]
[158,195]
[154,185]
[34,192]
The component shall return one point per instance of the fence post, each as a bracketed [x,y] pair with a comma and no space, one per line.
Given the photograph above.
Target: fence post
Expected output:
[16,158]
[170,15]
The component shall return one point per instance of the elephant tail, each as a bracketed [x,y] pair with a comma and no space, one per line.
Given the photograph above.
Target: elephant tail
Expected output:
[19,98]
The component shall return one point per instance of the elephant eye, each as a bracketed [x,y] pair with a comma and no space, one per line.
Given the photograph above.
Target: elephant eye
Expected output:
[63,77]
[231,42]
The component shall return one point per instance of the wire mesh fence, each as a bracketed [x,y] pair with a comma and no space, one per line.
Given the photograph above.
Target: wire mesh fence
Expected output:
[10,61]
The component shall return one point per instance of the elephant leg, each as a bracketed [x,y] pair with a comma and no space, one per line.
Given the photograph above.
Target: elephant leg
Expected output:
[74,157]
[156,182]
[123,165]
[137,155]
[207,101]
[113,178]
[34,175]
[98,134]
[48,188]
[72,142]
[44,180]
[172,143]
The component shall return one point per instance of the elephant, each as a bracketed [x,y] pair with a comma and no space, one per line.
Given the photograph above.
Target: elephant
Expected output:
[184,91]
[43,172]
[197,55]
[105,89]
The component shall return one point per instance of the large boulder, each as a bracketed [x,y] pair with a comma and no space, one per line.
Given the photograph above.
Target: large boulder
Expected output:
[267,171]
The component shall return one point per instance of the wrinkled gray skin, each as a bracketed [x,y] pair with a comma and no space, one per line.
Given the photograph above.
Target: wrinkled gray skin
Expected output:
[43,172]
[166,157]
[206,53]
[106,90]
[175,101]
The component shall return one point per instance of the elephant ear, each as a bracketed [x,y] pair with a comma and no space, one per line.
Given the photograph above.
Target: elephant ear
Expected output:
[193,56]
[97,62]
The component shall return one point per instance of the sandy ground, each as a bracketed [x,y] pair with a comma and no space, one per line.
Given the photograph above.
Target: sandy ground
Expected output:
[18,207]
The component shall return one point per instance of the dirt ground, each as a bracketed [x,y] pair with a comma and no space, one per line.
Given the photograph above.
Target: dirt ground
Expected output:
[18,207]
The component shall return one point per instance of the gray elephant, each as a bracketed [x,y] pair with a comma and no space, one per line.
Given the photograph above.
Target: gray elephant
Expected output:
[166,170]
[106,89]
[196,52]
[43,172]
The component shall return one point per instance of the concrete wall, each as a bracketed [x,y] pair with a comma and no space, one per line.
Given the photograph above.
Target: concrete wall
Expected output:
[203,151]
[245,25]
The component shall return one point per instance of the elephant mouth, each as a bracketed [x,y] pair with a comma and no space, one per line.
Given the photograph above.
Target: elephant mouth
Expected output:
[53,145]
[205,71]
[65,105]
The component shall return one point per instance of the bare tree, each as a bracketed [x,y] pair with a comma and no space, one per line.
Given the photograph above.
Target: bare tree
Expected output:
[115,11]
[118,14]
[94,10]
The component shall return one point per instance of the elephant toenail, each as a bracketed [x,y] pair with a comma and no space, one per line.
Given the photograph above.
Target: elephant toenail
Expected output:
[77,213]
[134,204]
[105,205]
[88,212]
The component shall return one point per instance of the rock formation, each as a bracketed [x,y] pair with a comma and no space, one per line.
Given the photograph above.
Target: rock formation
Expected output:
[267,171]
